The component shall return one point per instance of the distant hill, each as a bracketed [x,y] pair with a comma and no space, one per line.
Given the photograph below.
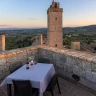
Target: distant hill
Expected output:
[21,28]
[91,29]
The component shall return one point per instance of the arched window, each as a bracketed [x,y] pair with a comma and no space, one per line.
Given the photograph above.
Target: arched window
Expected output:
[55,45]
[55,5]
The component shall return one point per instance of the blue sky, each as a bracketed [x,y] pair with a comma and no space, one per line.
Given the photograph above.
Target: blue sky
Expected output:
[33,13]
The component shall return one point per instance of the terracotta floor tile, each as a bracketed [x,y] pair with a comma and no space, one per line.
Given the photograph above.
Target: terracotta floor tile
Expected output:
[67,89]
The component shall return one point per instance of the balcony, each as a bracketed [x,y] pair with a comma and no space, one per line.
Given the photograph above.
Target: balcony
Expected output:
[66,62]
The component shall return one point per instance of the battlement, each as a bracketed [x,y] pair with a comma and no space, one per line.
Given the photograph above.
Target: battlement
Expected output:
[54,10]
[55,7]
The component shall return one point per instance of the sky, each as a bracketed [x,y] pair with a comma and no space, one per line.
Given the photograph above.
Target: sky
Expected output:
[33,13]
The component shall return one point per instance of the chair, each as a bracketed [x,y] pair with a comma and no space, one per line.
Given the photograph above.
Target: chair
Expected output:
[43,60]
[15,66]
[52,84]
[24,88]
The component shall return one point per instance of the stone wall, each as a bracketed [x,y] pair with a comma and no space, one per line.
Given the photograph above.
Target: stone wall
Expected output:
[10,57]
[68,62]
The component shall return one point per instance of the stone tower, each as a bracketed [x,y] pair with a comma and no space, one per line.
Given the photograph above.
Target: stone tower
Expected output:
[2,42]
[55,34]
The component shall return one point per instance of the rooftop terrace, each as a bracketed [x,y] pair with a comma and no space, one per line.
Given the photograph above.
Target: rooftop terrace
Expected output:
[66,62]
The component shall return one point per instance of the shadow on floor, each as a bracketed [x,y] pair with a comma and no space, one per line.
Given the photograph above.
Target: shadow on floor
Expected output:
[67,89]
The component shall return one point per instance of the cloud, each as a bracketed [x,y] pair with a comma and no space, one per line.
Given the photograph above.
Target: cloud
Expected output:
[4,25]
[32,18]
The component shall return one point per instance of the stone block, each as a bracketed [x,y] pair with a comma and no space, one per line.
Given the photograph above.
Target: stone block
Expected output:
[87,65]
[60,57]
[94,77]
[5,68]
[11,59]
[2,61]
[70,61]
[78,62]
[29,53]
[75,45]
[89,75]
[49,54]
[76,70]
[43,52]
[34,52]
[65,67]
[20,57]
[94,67]
[8,60]
[69,69]
[60,65]
[82,73]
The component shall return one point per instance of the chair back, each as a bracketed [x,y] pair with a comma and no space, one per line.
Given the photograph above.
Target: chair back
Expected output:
[15,66]
[53,82]
[22,88]
[43,60]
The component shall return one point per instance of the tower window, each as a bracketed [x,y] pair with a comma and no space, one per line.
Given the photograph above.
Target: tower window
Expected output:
[55,18]
[55,5]
[55,45]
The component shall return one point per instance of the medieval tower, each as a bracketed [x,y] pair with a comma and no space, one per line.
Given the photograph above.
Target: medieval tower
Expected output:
[55,34]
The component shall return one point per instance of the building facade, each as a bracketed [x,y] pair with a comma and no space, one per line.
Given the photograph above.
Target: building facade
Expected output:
[55,34]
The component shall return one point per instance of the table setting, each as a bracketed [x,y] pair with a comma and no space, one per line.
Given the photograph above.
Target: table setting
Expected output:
[39,75]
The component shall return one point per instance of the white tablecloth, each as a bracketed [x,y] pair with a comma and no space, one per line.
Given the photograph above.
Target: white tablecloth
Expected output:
[39,76]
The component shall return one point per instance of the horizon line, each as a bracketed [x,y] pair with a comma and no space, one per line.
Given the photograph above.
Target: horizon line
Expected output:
[41,27]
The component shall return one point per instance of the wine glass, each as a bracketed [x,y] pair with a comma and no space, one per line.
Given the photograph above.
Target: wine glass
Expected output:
[35,62]
[30,59]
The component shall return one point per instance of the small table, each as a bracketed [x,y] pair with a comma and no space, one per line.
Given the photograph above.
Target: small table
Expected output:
[39,76]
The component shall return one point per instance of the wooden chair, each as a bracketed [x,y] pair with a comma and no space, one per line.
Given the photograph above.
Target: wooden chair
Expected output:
[43,60]
[24,88]
[15,66]
[52,84]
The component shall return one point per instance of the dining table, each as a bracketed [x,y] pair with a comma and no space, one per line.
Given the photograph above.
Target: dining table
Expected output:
[39,75]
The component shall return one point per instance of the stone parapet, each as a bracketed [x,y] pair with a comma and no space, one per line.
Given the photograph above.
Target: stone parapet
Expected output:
[9,53]
[90,57]
[68,62]
[11,56]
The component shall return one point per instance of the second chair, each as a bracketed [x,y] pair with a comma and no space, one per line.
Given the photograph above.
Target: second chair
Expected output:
[52,84]
[43,60]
